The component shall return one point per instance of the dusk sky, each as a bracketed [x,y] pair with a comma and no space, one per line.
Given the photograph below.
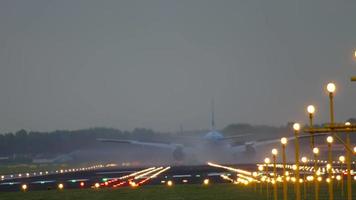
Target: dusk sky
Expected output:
[72,64]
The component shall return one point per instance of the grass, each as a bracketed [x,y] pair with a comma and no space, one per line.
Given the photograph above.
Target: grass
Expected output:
[177,192]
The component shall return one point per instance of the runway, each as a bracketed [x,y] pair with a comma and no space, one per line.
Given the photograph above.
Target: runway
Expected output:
[115,177]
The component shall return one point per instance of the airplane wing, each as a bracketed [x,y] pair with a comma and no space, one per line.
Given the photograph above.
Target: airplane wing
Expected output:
[234,137]
[242,147]
[141,143]
[272,141]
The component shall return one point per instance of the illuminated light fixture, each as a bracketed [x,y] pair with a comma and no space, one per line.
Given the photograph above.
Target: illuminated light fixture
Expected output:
[260,167]
[338,177]
[206,181]
[24,187]
[267,160]
[60,186]
[274,152]
[330,139]
[311,109]
[316,150]
[304,159]
[284,140]
[96,185]
[296,126]
[331,87]
[169,183]
[81,184]
[133,184]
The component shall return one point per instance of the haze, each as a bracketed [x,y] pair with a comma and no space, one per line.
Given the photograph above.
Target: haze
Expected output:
[157,64]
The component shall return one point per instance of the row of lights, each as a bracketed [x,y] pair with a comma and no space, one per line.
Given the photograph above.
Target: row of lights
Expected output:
[60,171]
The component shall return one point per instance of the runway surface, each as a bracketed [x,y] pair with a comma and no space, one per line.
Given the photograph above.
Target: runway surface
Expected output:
[115,177]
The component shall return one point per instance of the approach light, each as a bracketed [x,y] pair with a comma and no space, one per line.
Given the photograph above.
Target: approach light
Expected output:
[274,152]
[267,160]
[316,150]
[330,139]
[284,140]
[311,109]
[24,187]
[331,87]
[296,126]
[206,181]
[260,168]
[60,186]
[304,159]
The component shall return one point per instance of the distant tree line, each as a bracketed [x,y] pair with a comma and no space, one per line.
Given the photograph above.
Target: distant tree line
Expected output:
[63,141]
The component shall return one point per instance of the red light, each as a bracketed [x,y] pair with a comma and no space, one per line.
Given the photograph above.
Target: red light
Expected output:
[106,183]
[82,184]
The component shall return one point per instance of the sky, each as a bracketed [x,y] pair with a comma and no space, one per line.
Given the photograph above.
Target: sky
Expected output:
[74,64]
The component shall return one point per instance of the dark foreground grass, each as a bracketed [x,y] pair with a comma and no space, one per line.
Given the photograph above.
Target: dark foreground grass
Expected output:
[178,192]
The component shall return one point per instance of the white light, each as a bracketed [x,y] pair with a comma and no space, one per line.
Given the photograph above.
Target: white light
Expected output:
[311,109]
[284,140]
[316,150]
[267,160]
[60,186]
[331,87]
[296,126]
[274,152]
[330,139]
[24,187]
[304,159]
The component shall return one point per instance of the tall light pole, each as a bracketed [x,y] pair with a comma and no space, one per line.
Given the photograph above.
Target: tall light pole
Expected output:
[284,142]
[274,156]
[311,111]
[316,168]
[304,161]
[260,168]
[267,162]
[331,89]
[348,162]
[296,128]
[342,161]
[330,140]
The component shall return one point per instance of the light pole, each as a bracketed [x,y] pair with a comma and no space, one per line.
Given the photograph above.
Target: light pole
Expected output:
[316,168]
[296,128]
[348,163]
[274,156]
[311,111]
[330,140]
[284,142]
[331,89]
[342,161]
[267,161]
[260,168]
[304,161]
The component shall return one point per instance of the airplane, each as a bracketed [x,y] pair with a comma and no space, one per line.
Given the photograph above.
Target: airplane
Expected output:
[213,143]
